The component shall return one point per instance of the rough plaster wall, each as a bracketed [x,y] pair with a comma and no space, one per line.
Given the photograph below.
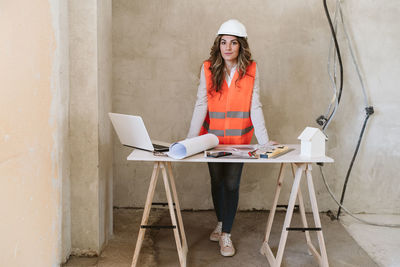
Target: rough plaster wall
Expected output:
[158,48]
[33,132]
[84,126]
[61,8]
[373,185]
[104,35]
[91,152]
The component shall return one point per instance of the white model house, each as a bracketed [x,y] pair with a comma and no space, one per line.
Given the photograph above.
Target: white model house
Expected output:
[312,142]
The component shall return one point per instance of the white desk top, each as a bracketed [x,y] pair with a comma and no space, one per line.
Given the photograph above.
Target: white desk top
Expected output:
[291,157]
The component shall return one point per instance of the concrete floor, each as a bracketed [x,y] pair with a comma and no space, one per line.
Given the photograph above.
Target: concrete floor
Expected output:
[381,243]
[247,234]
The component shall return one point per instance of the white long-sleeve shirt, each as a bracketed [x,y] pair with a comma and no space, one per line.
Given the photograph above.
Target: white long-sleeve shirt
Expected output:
[256,114]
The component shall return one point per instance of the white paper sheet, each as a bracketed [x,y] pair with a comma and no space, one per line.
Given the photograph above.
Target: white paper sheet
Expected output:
[191,146]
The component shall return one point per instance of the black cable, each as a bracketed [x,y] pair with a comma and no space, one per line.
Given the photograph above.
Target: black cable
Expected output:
[369,111]
[321,120]
[336,47]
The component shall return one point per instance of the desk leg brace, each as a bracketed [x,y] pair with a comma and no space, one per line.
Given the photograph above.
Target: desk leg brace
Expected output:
[296,192]
[181,244]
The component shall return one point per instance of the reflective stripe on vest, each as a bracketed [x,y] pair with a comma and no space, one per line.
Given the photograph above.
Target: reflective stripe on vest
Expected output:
[238,132]
[228,132]
[238,114]
[228,114]
[217,115]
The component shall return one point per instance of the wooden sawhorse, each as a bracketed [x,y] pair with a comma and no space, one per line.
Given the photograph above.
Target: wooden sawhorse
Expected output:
[180,237]
[275,261]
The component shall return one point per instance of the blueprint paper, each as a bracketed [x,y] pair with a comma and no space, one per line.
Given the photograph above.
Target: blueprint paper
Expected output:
[191,146]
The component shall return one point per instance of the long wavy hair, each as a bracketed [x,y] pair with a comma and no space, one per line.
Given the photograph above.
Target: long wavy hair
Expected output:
[218,64]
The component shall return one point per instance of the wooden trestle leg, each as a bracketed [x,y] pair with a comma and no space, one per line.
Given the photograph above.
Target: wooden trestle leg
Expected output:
[295,193]
[179,234]
[146,212]
[323,256]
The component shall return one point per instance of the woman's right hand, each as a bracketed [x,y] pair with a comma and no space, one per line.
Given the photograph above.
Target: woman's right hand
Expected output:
[272,143]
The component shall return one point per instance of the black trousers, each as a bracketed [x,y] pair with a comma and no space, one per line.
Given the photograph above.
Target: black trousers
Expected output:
[225,181]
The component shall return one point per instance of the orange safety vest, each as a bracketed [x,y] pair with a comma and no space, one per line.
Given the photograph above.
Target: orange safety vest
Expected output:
[228,114]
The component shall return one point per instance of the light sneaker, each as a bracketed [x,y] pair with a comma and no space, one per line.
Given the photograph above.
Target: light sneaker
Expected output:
[227,248]
[216,233]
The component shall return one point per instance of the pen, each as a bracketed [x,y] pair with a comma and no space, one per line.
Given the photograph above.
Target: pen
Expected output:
[252,153]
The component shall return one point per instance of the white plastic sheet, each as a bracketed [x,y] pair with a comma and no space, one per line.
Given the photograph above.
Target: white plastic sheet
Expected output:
[191,146]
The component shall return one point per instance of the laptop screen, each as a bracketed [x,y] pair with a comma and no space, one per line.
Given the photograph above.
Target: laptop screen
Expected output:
[131,131]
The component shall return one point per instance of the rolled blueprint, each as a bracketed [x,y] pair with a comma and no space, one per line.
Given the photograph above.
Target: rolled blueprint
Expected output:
[191,146]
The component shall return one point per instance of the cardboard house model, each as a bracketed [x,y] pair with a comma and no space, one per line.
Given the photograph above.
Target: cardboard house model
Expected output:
[312,142]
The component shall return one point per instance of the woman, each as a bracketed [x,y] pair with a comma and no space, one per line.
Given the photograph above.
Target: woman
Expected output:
[228,106]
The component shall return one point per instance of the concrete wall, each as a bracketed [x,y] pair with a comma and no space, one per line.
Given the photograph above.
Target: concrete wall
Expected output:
[60,19]
[104,60]
[373,186]
[37,196]
[158,48]
[34,159]
[91,154]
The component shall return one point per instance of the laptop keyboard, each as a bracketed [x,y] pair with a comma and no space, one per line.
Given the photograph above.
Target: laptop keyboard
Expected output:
[160,147]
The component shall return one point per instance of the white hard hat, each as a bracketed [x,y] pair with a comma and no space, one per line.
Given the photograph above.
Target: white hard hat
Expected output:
[233,27]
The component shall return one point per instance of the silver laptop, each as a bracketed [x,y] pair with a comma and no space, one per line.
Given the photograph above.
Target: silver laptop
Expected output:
[132,133]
